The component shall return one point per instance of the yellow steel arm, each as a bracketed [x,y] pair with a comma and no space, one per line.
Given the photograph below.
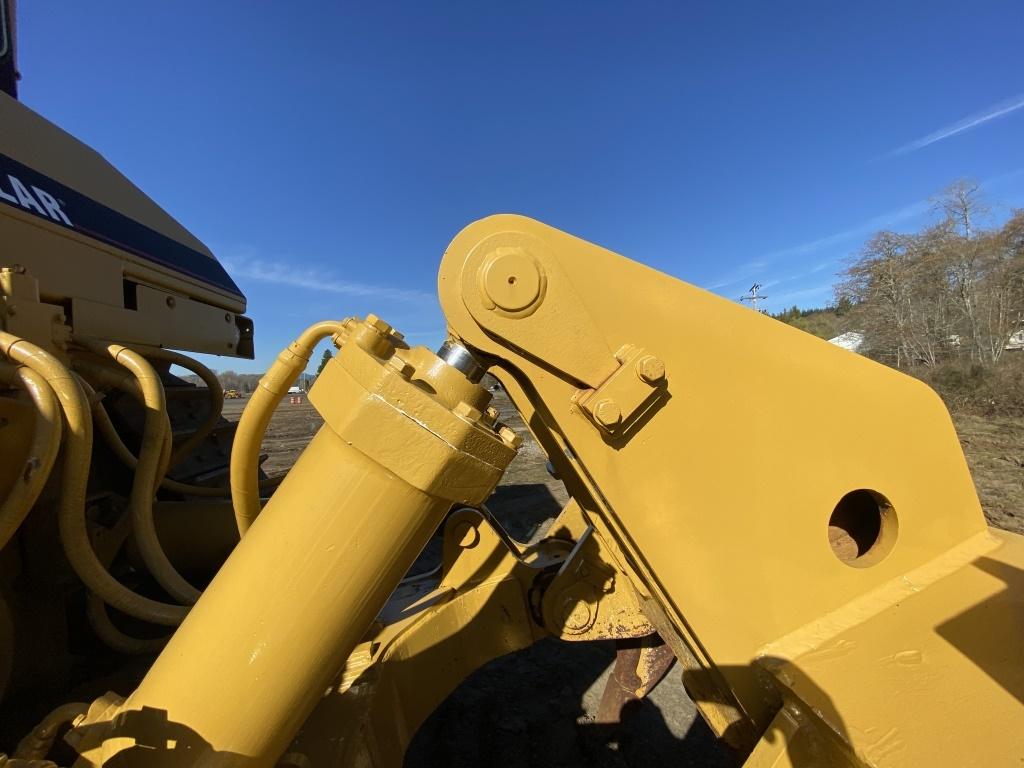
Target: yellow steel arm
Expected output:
[787,505]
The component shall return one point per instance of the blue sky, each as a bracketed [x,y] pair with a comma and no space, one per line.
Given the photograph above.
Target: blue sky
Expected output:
[327,152]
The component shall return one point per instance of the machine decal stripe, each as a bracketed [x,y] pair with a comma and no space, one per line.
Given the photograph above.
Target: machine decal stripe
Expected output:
[28,190]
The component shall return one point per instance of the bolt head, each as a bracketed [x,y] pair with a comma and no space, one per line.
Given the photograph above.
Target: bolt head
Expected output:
[377,324]
[650,369]
[509,436]
[468,412]
[608,413]
[399,366]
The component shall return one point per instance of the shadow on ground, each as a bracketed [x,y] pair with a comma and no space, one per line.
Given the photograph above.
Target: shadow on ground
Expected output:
[531,708]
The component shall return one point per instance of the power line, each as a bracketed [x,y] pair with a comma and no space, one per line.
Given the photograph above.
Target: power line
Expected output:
[753,296]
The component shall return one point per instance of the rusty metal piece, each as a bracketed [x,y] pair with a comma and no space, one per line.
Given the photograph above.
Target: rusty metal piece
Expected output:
[640,664]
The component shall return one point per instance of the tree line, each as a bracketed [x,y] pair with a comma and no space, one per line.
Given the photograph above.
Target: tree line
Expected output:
[246,383]
[952,292]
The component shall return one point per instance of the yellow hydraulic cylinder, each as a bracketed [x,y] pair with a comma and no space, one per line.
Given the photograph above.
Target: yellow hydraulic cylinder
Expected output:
[405,437]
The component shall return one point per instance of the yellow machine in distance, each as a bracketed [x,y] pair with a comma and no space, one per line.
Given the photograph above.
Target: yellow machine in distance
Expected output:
[162,604]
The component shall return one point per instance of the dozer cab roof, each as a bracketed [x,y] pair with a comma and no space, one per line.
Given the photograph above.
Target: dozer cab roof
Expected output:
[102,248]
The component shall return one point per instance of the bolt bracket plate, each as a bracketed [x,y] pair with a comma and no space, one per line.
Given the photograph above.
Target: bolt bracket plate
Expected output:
[633,396]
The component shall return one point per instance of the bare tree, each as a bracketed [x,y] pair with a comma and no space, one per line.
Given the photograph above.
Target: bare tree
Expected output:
[962,206]
[1002,300]
[887,286]
[952,290]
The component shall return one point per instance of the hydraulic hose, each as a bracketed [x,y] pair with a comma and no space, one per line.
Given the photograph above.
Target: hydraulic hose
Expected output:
[148,469]
[96,609]
[42,452]
[245,492]
[125,456]
[114,638]
[213,385]
[74,534]
[111,376]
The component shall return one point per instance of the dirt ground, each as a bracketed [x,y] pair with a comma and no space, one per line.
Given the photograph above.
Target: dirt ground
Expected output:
[536,708]
[994,447]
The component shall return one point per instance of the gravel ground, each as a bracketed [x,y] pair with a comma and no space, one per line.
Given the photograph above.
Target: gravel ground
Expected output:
[994,447]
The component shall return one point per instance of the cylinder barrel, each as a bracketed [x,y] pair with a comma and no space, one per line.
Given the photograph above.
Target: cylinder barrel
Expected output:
[276,624]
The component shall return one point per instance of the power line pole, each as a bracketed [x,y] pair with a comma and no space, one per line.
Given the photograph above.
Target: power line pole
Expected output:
[753,296]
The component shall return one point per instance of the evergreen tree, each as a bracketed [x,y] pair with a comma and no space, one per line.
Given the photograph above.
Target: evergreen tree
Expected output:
[323,361]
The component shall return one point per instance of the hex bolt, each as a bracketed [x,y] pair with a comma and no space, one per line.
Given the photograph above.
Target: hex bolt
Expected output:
[608,413]
[509,436]
[650,369]
[468,412]
[402,368]
[378,325]
[490,416]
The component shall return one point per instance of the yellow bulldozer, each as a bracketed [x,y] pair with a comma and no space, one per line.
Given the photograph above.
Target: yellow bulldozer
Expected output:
[830,595]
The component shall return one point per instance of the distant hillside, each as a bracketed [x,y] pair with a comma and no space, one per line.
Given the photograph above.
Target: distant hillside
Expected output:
[824,322]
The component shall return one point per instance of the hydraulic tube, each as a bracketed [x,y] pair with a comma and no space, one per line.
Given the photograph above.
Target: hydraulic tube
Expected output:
[213,387]
[148,471]
[245,491]
[74,533]
[405,437]
[42,452]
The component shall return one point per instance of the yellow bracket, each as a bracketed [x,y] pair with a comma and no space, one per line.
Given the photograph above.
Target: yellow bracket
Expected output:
[590,599]
[511,283]
[634,390]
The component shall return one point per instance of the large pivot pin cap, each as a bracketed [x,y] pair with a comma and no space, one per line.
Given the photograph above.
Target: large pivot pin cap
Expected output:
[511,280]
